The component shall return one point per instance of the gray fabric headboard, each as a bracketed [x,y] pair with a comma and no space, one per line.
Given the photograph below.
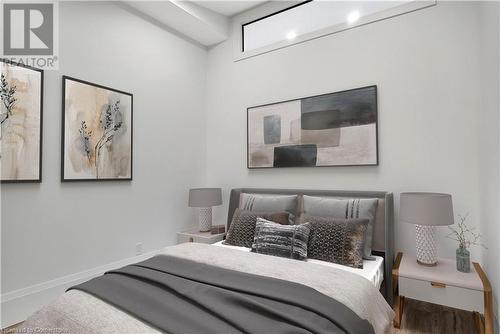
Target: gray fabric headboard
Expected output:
[383,234]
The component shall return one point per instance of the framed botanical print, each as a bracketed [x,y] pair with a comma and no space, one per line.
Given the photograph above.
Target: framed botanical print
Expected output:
[96,132]
[336,129]
[21,111]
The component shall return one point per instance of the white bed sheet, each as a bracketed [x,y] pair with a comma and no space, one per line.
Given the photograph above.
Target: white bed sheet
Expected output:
[372,270]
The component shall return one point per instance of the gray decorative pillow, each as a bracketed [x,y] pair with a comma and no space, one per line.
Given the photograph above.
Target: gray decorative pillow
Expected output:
[353,208]
[269,203]
[288,241]
[242,229]
[337,240]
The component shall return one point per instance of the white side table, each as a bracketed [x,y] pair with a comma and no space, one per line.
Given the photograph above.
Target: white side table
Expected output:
[194,235]
[444,285]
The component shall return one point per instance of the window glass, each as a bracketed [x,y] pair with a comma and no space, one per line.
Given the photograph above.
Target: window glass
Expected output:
[308,17]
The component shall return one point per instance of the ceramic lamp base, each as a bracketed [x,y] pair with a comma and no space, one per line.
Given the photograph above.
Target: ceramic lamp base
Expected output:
[426,245]
[205,219]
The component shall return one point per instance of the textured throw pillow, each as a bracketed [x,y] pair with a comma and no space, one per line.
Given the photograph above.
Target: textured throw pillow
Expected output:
[269,203]
[337,240]
[353,208]
[288,241]
[242,229]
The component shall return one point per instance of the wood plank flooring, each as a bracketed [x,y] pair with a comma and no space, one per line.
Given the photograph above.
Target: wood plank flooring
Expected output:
[425,318]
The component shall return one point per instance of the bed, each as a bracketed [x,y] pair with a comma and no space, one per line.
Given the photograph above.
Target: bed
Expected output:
[218,267]
[373,271]
[383,230]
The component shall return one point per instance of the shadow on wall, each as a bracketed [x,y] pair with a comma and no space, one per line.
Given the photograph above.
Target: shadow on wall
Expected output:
[366,171]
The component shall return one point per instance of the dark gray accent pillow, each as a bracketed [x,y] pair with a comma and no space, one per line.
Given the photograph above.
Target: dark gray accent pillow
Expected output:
[270,203]
[337,240]
[349,208]
[288,241]
[242,229]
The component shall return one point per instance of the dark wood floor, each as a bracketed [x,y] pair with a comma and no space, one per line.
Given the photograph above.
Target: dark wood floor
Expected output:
[425,318]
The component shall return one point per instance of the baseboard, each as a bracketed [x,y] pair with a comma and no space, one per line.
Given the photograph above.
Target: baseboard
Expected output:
[496,312]
[496,330]
[18,305]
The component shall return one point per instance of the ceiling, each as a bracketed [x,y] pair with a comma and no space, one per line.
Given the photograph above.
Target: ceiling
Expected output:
[205,22]
[228,8]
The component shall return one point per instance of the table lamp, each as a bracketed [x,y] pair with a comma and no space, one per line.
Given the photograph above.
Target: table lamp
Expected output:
[426,211]
[205,199]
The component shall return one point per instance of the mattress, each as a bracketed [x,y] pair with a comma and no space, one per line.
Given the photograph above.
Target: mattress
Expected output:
[372,270]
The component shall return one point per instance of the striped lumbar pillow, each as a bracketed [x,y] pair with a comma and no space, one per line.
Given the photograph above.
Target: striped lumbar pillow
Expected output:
[242,229]
[288,241]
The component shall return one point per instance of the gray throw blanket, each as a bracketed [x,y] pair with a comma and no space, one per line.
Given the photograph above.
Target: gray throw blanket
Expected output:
[177,295]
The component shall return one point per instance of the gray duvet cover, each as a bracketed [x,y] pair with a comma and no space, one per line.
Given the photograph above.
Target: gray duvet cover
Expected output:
[181,296]
[77,312]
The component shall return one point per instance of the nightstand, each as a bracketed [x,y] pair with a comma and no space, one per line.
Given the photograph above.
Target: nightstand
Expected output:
[194,235]
[444,285]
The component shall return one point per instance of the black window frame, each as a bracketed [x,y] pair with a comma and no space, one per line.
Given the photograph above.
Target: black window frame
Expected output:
[266,17]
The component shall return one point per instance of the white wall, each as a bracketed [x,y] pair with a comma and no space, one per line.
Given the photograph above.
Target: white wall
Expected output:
[489,139]
[437,72]
[426,67]
[52,229]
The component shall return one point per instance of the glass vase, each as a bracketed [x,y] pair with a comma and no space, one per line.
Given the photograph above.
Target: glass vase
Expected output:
[463,260]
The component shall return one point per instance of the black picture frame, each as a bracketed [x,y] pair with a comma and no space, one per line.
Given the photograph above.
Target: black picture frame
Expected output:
[299,165]
[39,179]
[66,78]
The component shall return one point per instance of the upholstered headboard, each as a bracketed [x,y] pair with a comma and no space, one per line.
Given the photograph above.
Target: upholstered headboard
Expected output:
[383,231]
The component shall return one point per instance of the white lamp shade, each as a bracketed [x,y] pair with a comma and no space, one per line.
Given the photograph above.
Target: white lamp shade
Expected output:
[205,197]
[432,209]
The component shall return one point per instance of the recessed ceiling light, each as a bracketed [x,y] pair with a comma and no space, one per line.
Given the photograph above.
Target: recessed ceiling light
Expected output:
[353,16]
[291,35]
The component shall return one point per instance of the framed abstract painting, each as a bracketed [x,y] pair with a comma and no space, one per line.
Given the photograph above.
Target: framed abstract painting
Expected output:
[337,129]
[96,132]
[21,111]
